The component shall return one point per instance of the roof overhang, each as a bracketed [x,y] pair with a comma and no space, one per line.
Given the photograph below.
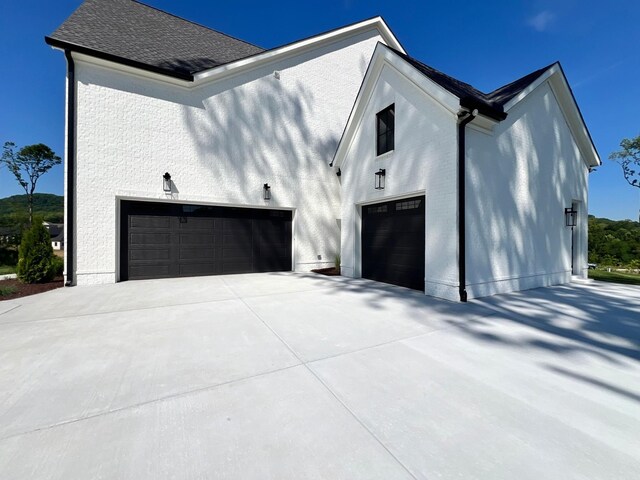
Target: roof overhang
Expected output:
[90,52]
[241,65]
[301,46]
[570,109]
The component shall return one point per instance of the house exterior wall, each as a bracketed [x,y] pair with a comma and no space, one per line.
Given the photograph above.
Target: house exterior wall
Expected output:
[519,180]
[220,142]
[423,162]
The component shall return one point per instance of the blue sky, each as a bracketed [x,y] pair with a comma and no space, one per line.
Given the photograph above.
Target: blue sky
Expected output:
[487,44]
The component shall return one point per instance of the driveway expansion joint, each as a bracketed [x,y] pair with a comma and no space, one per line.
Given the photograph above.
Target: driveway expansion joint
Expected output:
[331,392]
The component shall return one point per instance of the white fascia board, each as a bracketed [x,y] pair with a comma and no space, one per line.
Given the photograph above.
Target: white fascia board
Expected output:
[254,61]
[136,72]
[385,58]
[539,81]
[573,117]
[483,124]
[560,87]
[297,48]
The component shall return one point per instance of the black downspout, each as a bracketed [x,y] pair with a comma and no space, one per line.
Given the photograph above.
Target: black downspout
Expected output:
[464,117]
[71,164]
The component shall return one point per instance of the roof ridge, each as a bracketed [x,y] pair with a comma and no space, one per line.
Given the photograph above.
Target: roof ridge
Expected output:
[195,23]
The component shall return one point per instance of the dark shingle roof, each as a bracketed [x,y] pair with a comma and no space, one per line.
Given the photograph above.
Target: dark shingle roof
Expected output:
[490,104]
[142,36]
[54,228]
[504,94]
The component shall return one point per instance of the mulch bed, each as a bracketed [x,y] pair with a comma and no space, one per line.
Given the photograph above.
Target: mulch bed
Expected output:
[24,289]
[330,272]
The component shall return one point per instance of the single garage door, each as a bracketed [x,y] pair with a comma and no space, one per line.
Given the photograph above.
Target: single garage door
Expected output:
[393,242]
[161,240]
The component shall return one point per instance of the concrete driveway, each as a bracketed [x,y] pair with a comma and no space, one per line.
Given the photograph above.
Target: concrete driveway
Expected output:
[293,376]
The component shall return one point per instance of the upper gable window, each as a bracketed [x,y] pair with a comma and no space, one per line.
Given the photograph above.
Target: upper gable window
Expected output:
[385,125]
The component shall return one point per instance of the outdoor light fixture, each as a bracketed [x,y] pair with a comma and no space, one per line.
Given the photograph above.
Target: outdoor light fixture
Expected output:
[380,174]
[570,217]
[570,220]
[166,182]
[267,191]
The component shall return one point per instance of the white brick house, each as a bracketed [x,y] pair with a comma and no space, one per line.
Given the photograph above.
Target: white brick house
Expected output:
[247,135]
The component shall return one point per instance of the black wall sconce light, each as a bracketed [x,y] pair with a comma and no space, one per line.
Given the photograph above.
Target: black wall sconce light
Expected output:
[339,172]
[380,174]
[570,217]
[571,220]
[266,190]
[166,182]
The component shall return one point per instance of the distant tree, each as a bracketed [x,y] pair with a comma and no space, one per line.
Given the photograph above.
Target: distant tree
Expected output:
[629,159]
[28,164]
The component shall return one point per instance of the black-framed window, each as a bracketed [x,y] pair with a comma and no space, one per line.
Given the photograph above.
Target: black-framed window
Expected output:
[385,127]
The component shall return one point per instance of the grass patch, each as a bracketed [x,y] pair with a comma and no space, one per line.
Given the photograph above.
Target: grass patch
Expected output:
[8,290]
[5,269]
[615,277]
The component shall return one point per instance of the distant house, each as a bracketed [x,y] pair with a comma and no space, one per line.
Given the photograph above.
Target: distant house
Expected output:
[190,152]
[8,234]
[56,231]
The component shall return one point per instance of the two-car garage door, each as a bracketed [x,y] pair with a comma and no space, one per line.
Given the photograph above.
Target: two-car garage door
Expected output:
[161,240]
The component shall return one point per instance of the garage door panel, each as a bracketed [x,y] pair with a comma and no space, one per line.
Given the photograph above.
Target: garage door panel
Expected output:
[149,271]
[196,239]
[196,223]
[393,242]
[147,239]
[150,254]
[150,222]
[196,254]
[195,269]
[167,240]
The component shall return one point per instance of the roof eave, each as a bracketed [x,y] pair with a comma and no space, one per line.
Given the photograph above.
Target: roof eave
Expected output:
[117,59]
[300,46]
[472,103]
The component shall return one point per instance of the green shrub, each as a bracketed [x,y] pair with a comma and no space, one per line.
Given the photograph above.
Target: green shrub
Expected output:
[35,255]
[8,290]
[57,264]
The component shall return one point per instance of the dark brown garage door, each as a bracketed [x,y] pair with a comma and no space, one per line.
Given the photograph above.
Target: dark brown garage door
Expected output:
[160,240]
[393,242]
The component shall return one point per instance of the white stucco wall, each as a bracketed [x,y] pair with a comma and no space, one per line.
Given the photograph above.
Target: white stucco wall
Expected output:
[519,180]
[221,142]
[423,162]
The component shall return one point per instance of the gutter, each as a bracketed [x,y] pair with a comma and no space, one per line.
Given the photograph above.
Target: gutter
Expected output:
[464,117]
[71,166]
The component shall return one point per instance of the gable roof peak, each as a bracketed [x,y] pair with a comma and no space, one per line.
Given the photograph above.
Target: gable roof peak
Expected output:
[490,104]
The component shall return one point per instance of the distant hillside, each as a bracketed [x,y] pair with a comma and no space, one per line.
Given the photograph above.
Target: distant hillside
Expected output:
[46,205]
[613,242]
